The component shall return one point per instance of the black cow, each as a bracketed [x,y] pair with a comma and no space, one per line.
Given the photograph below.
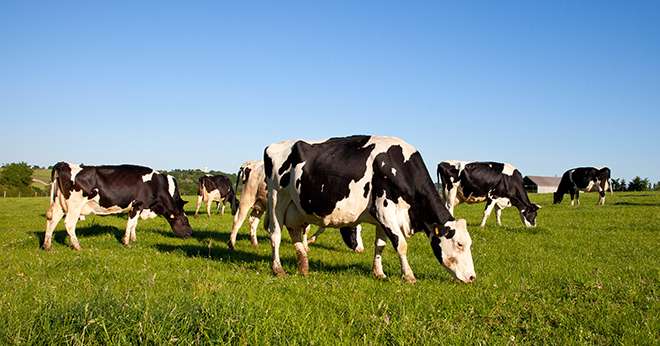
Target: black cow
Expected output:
[499,184]
[585,179]
[79,190]
[214,188]
[345,181]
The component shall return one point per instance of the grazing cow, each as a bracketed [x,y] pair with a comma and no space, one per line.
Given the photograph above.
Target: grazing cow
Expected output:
[253,200]
[345,181]
[499,184]
[214,188]
[585,179]
[79,190]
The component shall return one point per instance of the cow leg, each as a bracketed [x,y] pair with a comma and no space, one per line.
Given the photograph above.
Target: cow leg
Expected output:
[276,212]
[601,195]
[53,217]
[304,236]
[297,239]
[572,192]
[360,245]
[75,203]
[400,244]
[490,204]
[401,247]
[577,197]
[498,213]
[133,217]
[209,204]
[198,204]
[318,232]
[221,206]
[239,218]
[254,223]
[451,201]
[379,245]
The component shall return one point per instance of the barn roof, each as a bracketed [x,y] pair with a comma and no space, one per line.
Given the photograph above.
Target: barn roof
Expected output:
[544,181]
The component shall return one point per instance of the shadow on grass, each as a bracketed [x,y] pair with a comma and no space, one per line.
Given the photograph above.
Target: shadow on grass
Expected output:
[82,232]
[637,204]
[509,229]
[223,237]
[240,256]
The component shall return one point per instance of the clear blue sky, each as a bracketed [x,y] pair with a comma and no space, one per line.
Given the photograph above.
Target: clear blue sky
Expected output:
[208,84]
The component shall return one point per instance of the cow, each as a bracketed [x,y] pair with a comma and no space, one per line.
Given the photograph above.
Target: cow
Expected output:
[79,190]
[500,185]
[214,188]
[253,200]
[585,179]
[345,181]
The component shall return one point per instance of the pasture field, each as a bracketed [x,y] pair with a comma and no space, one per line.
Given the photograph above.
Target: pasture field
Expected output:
[584,275]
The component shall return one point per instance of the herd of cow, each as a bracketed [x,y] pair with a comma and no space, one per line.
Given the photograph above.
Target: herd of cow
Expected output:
[339,183]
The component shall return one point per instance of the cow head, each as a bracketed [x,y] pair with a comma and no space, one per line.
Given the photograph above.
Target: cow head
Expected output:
[557,197]
[451,244]
[178,220]
[528,215]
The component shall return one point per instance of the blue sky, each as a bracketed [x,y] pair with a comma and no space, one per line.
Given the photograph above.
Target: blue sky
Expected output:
[545,86]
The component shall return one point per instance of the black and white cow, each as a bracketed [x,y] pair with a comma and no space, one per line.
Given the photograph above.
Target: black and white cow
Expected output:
[500,185]
[253,200]
[345,181]
[585,179]
[214,188]
[79,190]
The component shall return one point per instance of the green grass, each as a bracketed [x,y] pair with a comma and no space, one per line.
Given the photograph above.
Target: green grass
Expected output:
[584,275]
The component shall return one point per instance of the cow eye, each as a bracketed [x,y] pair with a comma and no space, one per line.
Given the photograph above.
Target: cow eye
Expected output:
[460,245]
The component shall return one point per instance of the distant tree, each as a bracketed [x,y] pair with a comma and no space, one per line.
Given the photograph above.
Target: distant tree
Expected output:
[16,175]
[639,184]
[656,187]
[619,184]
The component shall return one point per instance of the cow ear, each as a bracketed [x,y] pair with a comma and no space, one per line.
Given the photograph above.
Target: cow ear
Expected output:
[184,202]
[443,231]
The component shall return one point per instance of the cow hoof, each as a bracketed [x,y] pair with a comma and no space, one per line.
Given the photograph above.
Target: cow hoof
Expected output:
[76,247]
[230,246]
[195,216]
[409,279]
[279,272]
[46,247]
[359,250]
[380,276]
[255,244]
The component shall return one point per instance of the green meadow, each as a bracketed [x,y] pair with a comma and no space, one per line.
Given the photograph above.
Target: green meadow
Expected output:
[587,274]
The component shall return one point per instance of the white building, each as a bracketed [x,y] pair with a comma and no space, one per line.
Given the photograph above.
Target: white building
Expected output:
[538,184]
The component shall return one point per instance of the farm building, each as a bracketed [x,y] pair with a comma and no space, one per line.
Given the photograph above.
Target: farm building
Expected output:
[538,184]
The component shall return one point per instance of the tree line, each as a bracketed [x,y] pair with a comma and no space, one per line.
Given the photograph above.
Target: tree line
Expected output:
[21,179]
[636,184]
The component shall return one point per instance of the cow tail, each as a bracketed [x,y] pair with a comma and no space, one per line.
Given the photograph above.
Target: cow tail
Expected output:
[609,181]
[234,201]
[200,186]
[55,176]
[441,190]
